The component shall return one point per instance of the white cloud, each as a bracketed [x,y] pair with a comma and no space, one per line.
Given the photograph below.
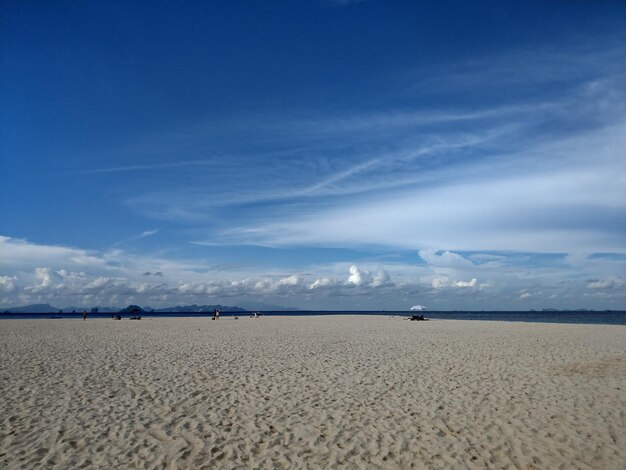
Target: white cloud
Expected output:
[610,283]
[440,282]
[8,284]
[511,203]
[359,277]
[194,288]
[292,280]
[143,287]
[381,278]
[99,283]
[446,259]
[47,277]
[17,253]
[117,276]
[465,284]
[147,233]
[319,283]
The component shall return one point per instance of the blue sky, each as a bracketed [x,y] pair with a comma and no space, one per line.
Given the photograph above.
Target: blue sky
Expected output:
[317,154]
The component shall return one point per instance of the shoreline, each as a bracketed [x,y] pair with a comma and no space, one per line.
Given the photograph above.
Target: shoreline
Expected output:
[616,318]
[297,317]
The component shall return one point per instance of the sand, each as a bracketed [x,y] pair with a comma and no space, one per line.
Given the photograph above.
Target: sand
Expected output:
[316,392]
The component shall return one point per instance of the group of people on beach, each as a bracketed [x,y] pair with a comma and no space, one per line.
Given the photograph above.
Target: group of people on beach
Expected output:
[216,315]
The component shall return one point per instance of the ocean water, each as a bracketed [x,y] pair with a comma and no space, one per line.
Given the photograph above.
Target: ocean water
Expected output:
[600,318]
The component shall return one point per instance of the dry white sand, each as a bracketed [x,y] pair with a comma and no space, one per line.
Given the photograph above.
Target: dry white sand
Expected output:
[317,392]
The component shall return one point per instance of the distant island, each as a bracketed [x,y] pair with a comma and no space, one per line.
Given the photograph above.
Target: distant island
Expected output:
[47,308]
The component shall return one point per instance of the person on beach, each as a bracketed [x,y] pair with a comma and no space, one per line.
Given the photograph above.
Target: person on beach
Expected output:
[217,314]
[84,315]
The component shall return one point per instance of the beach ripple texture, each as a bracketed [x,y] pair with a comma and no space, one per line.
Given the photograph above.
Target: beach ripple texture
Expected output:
[311,392]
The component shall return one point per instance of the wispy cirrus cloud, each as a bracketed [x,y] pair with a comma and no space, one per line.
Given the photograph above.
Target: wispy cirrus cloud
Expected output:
[523,210]
[146,167]
[527,69]
[147,233]
[530,172]
[381,160]
[390,155]
[144,234]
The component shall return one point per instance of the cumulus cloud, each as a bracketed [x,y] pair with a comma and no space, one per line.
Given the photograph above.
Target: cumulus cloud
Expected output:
[199,288]
[446,259]
[464,284]
[99,283]
[243,287]
[48,278]
[7,284]
[609,283]
[319,283]
[440,282]
[115,277]
[381,278]
[362,277]
[292,280]
[359,277]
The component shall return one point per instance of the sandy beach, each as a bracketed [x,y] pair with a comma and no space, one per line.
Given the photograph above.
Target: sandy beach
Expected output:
[311,392]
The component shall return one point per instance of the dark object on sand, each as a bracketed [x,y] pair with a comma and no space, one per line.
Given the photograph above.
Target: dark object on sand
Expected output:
[135,318]
[116,317]
[418,318]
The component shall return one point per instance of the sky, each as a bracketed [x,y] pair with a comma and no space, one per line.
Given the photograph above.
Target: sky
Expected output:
[313,154]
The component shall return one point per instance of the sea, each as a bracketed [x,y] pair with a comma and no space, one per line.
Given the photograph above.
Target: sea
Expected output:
[579,317]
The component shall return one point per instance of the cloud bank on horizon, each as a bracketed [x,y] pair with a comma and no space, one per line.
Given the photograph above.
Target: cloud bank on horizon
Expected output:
[383,164]
[442,280]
